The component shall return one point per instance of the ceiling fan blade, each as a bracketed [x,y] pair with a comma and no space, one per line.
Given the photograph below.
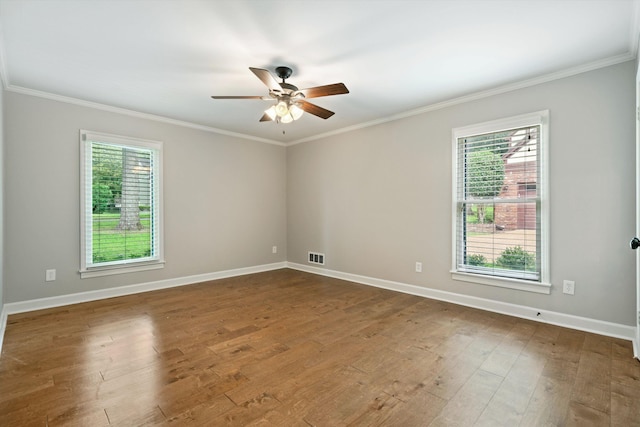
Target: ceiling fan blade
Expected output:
[310,108]
[267,78]
[327,90]
[265,118]
[238,97]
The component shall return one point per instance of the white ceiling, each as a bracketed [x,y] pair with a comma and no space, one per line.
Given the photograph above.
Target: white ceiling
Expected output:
[397,57]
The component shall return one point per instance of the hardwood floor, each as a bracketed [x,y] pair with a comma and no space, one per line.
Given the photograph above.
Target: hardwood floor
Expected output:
[287,348]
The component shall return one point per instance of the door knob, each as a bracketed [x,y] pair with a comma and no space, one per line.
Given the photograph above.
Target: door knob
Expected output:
[634,243]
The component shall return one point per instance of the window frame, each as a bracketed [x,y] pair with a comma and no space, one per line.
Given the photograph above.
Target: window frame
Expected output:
[539,118]
[88,270]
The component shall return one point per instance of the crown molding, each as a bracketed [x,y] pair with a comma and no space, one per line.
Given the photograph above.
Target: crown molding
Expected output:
[133,113]
[479,95]
[432,107]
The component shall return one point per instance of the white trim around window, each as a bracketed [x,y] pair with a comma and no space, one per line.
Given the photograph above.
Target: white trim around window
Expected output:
[537,281]
[135,181]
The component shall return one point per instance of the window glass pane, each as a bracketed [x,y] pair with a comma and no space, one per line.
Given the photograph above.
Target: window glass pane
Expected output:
[498,213]
[504,250]
[121,193]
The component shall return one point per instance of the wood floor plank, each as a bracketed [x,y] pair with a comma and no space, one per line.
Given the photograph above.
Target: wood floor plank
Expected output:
[593,380]
[467,405]
[420,410]
[626,372]
[134,415]
[351,404]
[407,374]
[289,348]
[77,416]
[625,408]
[261,375]
[202,414]
[580,415]
[247,412]
[548,404]
[510,401]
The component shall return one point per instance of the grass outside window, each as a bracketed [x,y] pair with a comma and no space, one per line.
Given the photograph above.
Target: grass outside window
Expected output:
[112,244]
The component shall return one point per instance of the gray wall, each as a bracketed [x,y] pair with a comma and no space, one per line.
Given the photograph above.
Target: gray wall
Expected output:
[1,198]
[377,200]
[224,198]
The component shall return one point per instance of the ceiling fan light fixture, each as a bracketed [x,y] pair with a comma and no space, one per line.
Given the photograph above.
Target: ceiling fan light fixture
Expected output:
[286,119]
[282,109]
[296,112]
[271,112]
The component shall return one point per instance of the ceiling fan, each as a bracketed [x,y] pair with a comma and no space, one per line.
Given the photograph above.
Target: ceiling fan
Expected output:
[290,101]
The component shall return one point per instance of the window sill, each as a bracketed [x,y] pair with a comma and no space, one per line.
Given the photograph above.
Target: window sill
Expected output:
[120,269]
[501,282]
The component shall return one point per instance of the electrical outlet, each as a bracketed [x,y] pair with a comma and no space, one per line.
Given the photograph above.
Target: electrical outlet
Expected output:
[274,250]
[418,267]
[568,287]
[50,275]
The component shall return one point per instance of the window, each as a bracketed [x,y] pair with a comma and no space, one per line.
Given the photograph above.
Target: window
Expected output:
[500,203]
[121,204]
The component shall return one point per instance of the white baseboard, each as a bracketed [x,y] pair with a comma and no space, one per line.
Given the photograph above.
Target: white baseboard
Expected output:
[3,325]
[560,319]
[62,300]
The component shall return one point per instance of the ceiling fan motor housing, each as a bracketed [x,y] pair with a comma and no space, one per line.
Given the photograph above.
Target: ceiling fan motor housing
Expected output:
[284,72]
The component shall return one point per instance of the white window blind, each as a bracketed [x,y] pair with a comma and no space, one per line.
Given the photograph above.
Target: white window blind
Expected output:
[121,204]
[499,205]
